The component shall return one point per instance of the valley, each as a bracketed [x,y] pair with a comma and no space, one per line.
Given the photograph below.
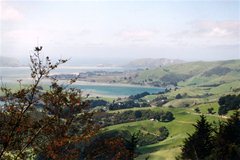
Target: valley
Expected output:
[199,84]
[188,91]
[120,80]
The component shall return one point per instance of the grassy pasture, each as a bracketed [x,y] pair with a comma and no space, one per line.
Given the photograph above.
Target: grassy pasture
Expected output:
[178,129]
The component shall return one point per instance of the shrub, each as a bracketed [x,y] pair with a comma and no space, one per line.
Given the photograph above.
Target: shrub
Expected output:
[51,129]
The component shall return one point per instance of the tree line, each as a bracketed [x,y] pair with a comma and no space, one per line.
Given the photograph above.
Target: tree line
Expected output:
[107,119]
[227,103]
[210,142]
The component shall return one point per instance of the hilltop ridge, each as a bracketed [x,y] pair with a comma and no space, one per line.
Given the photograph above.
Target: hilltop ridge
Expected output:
[191,73]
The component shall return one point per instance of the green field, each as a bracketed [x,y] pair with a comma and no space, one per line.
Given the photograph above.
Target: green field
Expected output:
[178,129]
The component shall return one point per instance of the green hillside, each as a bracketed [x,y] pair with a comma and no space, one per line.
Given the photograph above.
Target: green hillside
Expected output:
[200,85]
[192,74]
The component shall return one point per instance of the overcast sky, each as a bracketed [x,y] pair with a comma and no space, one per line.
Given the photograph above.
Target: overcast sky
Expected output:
[111,31]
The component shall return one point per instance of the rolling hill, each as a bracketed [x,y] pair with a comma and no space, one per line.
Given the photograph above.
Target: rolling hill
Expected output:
[192,74]
[200,85]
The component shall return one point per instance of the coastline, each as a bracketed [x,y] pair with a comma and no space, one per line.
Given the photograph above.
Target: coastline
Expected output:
[113,84]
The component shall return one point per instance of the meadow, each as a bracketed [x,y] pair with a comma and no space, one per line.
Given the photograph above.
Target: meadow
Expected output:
[179,129]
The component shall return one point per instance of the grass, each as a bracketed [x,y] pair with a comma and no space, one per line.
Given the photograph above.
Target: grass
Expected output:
[196,73]
[133,109]
[204,107]
[161,154]
[178,129]
[226,88]
[150,97]
[184,102]
[108,99]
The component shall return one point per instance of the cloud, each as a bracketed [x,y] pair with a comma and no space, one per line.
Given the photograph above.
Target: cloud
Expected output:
[10,13]
[212,29]
[208,33]
[228,29]
[137,35]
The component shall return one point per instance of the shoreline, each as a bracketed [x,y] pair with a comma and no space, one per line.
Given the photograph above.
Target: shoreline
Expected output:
[27,81]
[88,87]
[113,84]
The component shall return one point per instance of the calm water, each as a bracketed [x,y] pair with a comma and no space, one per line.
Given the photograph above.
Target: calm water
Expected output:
[114,90]
[12,74]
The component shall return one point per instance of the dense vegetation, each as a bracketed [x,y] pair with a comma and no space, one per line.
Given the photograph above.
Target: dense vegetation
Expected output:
[130,102]
[207,142]
[127,104]
[150,138]
[229,102]
[97,102]
[107,119]
[159,100]
[199,144]
[52,124]
[138,96]
[110,145]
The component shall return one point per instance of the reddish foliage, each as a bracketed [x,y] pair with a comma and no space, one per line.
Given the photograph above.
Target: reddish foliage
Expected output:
[56,128]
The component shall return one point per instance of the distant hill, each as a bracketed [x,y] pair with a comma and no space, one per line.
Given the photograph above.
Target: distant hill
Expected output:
[152,63]
[193,73]
[9,62]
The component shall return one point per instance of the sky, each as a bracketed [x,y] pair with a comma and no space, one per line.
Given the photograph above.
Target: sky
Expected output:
[114,31]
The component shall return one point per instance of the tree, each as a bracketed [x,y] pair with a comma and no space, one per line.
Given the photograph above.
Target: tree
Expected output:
[227,139]
[51,131]
[210,110]
[200,143]
[197,110]
[178,96]
[167,117]
[138,96]
[132,144]
[138,114]
[228,102]
[163,133]
[108,145]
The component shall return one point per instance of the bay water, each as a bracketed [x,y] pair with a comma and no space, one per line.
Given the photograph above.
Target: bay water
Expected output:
[12,74]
